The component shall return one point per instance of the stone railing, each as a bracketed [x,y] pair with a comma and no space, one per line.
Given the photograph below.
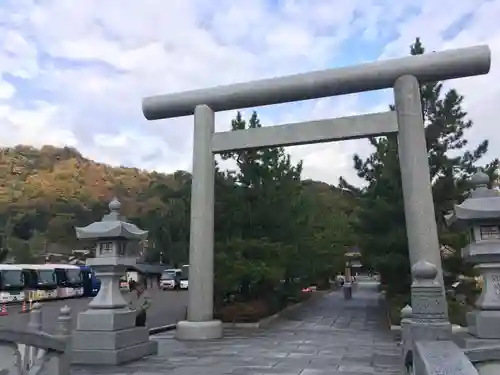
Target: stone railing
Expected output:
[33,352]
[440,357]
[431,357]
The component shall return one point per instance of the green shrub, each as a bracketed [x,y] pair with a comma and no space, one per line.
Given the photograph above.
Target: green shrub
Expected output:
[395,304]
[457,312]
[244,312]
[254,310]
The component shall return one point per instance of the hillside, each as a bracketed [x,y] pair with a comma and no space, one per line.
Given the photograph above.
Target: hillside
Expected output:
[33,176]
[45,192]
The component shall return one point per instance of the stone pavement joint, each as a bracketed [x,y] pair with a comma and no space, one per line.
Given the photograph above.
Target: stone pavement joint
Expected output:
[327,335]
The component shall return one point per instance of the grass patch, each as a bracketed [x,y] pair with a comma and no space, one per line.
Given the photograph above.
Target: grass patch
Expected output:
[255,310]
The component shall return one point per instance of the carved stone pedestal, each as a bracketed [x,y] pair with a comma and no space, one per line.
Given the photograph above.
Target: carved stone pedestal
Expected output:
[110,338]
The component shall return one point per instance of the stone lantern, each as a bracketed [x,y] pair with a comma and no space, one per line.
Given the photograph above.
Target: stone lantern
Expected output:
[350,256]
[106,332]
[479,214]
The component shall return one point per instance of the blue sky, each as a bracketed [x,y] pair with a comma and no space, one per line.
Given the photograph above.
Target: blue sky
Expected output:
[74,73]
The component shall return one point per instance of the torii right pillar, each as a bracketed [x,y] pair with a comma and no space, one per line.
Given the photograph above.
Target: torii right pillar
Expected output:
[428,297]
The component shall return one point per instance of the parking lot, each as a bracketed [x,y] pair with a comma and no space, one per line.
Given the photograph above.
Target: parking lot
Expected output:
[167,307]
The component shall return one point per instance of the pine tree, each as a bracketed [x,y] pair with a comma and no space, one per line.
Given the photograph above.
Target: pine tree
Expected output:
[269,187]
[265,202]
[381,219]
[257,211]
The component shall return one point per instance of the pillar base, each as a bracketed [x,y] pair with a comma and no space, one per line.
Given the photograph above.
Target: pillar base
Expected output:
[109,337]
[198,331]
[484,353]
[114,357]
[484,324]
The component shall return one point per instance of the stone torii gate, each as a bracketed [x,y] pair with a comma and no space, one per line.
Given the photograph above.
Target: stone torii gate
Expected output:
[403,75]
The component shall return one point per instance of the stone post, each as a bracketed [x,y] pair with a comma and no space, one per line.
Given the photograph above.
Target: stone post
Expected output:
[34,324]
[429,321]
[64,331]
[64,322]
[200,324]
[406,338]
[35,317]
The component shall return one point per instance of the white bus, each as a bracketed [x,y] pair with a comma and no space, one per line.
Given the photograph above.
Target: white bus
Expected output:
[184,284]
[69,279]
[12,283]
[41,282]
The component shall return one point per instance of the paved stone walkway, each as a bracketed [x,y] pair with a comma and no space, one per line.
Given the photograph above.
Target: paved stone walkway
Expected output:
[326,336]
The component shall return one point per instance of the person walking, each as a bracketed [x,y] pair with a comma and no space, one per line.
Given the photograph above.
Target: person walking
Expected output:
[131,284]
[140,303]
[177,285]
[340,280]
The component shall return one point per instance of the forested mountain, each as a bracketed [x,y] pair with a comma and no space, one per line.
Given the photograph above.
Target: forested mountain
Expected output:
[53,174]
[45,192]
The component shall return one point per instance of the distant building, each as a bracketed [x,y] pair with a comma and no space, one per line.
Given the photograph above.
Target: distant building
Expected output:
[353,255]
[353,252]
[50,257]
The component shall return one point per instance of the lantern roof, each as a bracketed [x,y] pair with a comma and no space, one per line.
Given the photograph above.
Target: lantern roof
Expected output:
[482,205]
[111,226]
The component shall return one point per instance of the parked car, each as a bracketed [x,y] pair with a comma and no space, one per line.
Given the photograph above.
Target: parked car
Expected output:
[167,281]
[184,283]
[124,284]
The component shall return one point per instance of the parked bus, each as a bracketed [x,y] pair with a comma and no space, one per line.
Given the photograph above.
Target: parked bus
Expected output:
[175,272]
[12,283]
[40,281]
[36,282]
[184,283]
[91,284]
[75,280]
[64,290]
[185,271]
[68,278]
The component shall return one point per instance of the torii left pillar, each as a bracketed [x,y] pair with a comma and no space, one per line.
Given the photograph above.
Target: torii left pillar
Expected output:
[200,323]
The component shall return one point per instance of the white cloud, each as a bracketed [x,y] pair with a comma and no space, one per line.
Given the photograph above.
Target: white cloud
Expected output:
[75,73]
[38,126]
[7,90]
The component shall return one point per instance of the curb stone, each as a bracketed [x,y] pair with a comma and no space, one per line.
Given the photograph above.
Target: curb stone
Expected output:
[161,329]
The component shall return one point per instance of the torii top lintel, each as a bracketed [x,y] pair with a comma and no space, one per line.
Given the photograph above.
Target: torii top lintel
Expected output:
[431,67]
